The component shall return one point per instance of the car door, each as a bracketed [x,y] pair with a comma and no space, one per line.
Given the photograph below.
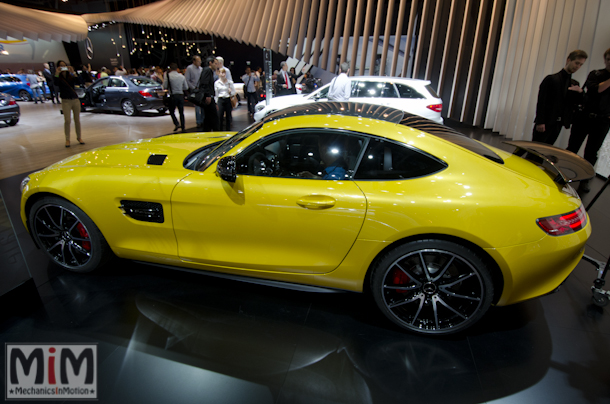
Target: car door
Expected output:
[97,92]
[116,91]
[272,218]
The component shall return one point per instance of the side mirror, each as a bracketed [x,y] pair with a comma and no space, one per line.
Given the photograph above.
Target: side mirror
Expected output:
[226,169]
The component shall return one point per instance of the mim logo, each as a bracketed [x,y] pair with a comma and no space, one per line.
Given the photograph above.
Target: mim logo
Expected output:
[51,371]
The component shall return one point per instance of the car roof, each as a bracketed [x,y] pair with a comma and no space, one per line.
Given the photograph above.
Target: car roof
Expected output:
[387,114]
[390,78]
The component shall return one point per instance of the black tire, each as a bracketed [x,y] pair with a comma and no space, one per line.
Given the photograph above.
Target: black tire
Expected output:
[67,235]
[432,287]
[129,108]
[25,96]
[12,122]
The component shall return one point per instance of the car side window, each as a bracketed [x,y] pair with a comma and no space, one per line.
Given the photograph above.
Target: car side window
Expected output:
[311,154]
[101,83]
[118,83]
[406,91]
[385,160]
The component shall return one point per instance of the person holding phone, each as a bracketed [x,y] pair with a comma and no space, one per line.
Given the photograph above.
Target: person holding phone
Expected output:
[65,79]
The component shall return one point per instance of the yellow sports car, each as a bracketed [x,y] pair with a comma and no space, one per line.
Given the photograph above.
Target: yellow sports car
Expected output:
[347,196]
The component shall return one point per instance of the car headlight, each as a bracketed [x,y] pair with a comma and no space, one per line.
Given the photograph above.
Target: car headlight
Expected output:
[260,107]
[24,182]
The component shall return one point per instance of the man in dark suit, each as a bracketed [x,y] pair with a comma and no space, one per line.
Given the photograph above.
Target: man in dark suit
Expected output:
[48,76]
[206,82]
[283,80]
[557,97]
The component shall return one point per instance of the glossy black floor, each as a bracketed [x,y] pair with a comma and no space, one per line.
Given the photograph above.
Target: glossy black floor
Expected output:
[174,337]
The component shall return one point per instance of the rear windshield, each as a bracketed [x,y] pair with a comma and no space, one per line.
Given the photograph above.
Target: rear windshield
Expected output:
[144,82]
[431,90]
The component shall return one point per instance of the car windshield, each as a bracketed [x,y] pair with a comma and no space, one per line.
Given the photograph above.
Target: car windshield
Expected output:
[227,145]
[144,82]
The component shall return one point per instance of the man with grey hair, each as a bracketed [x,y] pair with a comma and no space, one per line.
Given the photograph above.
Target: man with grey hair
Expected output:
[283,80]
[32,79]
[221,64]
[341,86]
[193,73]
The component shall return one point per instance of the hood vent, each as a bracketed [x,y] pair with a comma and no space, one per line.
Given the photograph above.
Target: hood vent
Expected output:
[156,159]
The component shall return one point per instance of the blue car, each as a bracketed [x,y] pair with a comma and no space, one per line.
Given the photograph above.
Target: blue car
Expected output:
[18,86]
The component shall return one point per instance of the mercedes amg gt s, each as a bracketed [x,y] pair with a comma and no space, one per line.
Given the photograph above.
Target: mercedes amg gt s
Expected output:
[330,195]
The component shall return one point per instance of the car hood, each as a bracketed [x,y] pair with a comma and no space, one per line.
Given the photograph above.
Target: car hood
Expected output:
[166,151]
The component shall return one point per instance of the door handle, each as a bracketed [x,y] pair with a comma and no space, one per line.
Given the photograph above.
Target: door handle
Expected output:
[316,202]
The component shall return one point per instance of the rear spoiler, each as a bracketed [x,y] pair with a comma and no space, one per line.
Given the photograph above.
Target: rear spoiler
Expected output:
[567,166]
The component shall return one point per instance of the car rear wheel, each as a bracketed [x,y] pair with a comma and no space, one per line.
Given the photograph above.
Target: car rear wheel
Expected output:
[128,108]
[432,286]
[12,122]
[24,95]
[161,111]
[67,235]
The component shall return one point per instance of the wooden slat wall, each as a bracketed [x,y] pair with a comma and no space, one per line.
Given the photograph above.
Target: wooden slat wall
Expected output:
[486,58]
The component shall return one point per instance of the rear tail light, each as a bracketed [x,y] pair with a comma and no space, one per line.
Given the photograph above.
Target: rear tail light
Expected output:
[28,84]
[12,102]
[564,224]
[145,93]
[435,107]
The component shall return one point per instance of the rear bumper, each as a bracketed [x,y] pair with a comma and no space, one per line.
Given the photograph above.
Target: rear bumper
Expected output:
[10,113]
[149,103]
[539,268]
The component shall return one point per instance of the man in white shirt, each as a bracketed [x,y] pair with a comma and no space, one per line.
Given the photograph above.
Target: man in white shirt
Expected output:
[193,72]
[221,64]
[341,86]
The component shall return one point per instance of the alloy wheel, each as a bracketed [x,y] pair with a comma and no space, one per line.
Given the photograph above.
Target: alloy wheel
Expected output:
[63,235]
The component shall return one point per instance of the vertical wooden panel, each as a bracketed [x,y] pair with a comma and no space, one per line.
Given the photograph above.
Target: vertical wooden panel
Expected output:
[451,27]
[488,62]
[365,37]
[463,60]
[269,43]
[265,23]
[386,38]
[376,33]
[302,30]
[328,35]
[402,9]
[311,29]
[282,22]
[425,20]
[340,19]
[477,54]
[410,30]
[356,36]
[347,29]
[251,30]
[319,31]
[296,10]
[436,25]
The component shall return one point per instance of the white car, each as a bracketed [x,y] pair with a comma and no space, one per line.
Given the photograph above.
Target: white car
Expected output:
[410,95]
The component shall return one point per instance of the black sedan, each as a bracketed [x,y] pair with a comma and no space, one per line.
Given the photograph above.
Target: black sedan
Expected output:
[130,94]
[9,109]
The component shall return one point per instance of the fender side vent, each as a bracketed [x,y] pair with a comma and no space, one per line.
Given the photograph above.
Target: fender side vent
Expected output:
[143,211]
[156,159]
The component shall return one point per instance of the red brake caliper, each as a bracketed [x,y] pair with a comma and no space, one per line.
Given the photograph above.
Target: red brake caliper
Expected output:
[83,234]
[400,278]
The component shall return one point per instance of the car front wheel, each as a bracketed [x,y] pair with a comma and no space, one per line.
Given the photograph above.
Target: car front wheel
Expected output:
[67,235]
[128,108]
[432,286]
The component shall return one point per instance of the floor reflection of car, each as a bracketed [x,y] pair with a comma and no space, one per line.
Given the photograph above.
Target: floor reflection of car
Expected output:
[9,109]
[410,95]
[347,196]
[130,94]
[17,86]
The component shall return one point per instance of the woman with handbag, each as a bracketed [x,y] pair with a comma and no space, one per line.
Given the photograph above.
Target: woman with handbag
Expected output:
[225,91]
[175,83]
[65,79]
